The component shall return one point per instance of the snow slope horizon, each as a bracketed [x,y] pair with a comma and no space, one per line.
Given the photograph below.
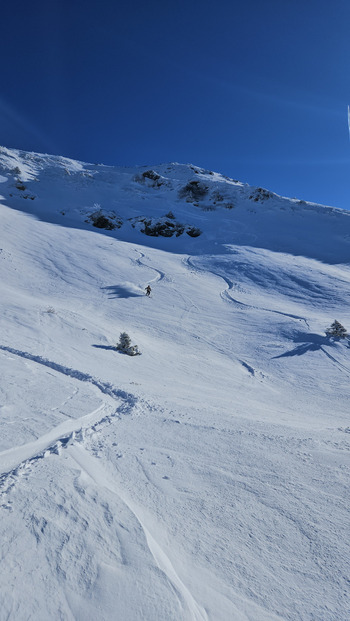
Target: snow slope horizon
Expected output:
[208,477]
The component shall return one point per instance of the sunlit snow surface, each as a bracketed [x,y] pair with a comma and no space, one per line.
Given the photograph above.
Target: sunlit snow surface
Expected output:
[208,478]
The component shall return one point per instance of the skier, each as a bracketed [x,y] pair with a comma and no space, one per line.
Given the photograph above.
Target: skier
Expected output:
[148,290]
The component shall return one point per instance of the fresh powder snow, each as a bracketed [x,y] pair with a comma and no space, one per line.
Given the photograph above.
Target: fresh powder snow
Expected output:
[206,479]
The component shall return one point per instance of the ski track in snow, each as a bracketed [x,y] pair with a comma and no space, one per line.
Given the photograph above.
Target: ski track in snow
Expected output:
[336,363]
[227,296]
[190,608]
[163,276]
[341,366]
[191,306]
[160,275]
[107,389]
[16,461]
[61,406]
[73,438]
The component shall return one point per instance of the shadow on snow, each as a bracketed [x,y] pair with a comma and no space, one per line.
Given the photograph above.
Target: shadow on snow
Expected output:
[308,342]
[122,291]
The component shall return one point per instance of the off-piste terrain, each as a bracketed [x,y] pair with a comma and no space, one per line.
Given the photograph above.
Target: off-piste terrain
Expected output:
[208,477]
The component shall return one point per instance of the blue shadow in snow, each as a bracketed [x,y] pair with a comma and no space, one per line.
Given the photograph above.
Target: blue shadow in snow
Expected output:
[308,342]
[105,347]
[121,291]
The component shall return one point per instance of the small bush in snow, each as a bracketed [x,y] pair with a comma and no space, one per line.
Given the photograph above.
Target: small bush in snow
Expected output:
[125,346]
[336,330]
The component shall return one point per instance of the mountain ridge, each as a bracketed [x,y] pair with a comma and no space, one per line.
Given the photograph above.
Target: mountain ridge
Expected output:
[130,197]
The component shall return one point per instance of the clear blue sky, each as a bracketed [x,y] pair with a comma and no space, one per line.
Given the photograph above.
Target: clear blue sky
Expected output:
[255,89]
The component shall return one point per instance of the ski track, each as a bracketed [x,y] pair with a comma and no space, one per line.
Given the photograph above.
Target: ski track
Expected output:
[228,297]
[95,471]
[107,389]
[160,275]
[61,406]
[189,306]
[17,461]
[187,263]
[64,436]
[336,362]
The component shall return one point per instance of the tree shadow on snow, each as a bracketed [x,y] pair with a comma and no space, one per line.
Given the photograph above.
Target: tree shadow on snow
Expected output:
[123,291]
[112,347]
[308,342]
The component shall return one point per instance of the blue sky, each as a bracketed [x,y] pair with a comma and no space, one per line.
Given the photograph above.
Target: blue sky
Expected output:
[257,90]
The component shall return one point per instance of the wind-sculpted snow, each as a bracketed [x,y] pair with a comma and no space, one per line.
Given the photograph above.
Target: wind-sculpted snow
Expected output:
[189,609]
[206,480]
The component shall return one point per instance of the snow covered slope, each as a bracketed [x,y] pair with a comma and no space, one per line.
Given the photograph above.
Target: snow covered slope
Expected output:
[206,479]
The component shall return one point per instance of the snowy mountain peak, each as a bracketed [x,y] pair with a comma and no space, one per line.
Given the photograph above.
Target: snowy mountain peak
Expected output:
[205,206]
